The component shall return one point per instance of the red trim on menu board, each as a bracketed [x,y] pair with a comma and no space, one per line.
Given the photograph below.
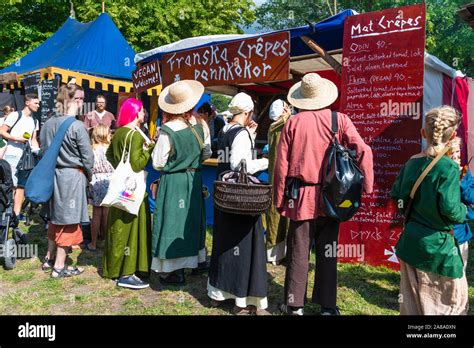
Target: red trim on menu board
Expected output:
[382,92]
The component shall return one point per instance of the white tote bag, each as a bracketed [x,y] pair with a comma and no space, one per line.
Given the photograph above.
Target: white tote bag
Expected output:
[127,188]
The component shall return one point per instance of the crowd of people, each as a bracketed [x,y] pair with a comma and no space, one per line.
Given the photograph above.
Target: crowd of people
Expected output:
[171,238]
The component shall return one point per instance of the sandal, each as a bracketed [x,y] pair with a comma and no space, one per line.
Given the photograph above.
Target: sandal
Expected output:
[66,272]
[47,264]
[75,271]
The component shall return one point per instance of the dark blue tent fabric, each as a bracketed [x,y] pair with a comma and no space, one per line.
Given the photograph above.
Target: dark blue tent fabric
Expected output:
[328,34]
[95,48]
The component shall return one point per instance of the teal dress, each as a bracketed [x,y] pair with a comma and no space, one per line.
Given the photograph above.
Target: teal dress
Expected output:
[179,220]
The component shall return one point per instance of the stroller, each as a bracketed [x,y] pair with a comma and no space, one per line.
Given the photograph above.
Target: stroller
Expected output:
[7,218]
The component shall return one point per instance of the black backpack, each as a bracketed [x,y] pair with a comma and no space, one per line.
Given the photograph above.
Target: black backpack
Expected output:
[6,185]
[342,182]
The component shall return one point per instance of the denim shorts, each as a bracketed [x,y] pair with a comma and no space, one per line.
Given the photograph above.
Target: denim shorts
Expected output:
[22,177]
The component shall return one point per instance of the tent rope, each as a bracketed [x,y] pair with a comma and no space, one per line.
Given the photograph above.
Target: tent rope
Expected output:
[72,13]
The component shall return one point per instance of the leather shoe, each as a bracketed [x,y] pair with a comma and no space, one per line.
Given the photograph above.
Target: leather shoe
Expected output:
[173,278]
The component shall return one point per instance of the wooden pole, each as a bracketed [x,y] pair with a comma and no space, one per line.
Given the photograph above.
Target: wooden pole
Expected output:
[103,6]
[333,63]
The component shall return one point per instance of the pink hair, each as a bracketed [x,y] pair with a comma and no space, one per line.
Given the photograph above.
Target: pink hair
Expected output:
[129,111]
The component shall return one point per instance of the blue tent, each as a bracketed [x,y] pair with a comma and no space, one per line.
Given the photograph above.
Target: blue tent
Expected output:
[95,48]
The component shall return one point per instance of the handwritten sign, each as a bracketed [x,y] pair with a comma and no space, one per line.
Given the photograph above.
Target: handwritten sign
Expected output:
[382,91]
[146,76]
[49,92]
[257,59]
[31,83]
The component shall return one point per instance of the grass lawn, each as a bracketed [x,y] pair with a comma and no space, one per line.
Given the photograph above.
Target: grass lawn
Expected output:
[27,290]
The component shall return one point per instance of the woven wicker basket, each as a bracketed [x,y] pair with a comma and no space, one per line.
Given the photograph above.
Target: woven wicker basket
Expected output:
[242,198]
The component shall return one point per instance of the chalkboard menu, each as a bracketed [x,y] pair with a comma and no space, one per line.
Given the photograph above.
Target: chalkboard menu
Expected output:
[31,83]
[382,91]
[49,91]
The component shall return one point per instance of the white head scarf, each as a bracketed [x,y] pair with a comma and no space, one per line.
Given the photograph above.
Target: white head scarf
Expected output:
[241,102]
[276,109]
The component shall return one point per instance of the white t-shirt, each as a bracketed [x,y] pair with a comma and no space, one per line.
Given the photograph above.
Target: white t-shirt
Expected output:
[25,124]
[100,114]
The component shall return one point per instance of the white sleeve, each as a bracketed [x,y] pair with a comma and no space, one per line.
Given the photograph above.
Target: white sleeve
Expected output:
[207,152]
[11,119]
[162,151]
[242,149]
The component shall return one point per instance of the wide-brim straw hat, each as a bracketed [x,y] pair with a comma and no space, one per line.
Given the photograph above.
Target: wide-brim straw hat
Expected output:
[180,96]
[312,93]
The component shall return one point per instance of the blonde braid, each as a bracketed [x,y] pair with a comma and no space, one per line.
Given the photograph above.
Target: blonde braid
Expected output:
[440,124]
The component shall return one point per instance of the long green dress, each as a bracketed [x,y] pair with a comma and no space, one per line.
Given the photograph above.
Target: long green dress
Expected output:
[127,245]
[276,225]
[426,242]
[179,220]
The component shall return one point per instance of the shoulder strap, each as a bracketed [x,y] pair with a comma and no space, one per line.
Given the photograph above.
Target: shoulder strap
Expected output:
[334,126]
[64,127]
[234,131]
[426,171]
[130,132]
[196,134]
[252,144]
[20,114]
[36,123]
[166,129]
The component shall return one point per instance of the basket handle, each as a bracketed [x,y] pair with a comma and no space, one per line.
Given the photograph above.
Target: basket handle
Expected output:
[243,179]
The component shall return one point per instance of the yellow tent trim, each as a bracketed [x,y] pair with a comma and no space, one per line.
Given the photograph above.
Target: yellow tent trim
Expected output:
[80,77]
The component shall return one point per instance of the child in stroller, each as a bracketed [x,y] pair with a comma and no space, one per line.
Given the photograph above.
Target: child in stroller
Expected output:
[7,218]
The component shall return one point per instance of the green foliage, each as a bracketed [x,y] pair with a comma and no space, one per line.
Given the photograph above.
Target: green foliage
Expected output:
[447,36]
[221,102]
[25,25]
[145,24]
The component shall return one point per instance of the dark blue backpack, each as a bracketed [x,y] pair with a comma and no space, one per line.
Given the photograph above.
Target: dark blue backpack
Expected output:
[40,185]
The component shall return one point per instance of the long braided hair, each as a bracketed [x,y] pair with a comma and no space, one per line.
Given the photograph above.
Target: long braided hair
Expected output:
[440,124]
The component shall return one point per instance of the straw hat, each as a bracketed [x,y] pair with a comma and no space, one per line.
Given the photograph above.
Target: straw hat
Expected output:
[180,96]
[312,93]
